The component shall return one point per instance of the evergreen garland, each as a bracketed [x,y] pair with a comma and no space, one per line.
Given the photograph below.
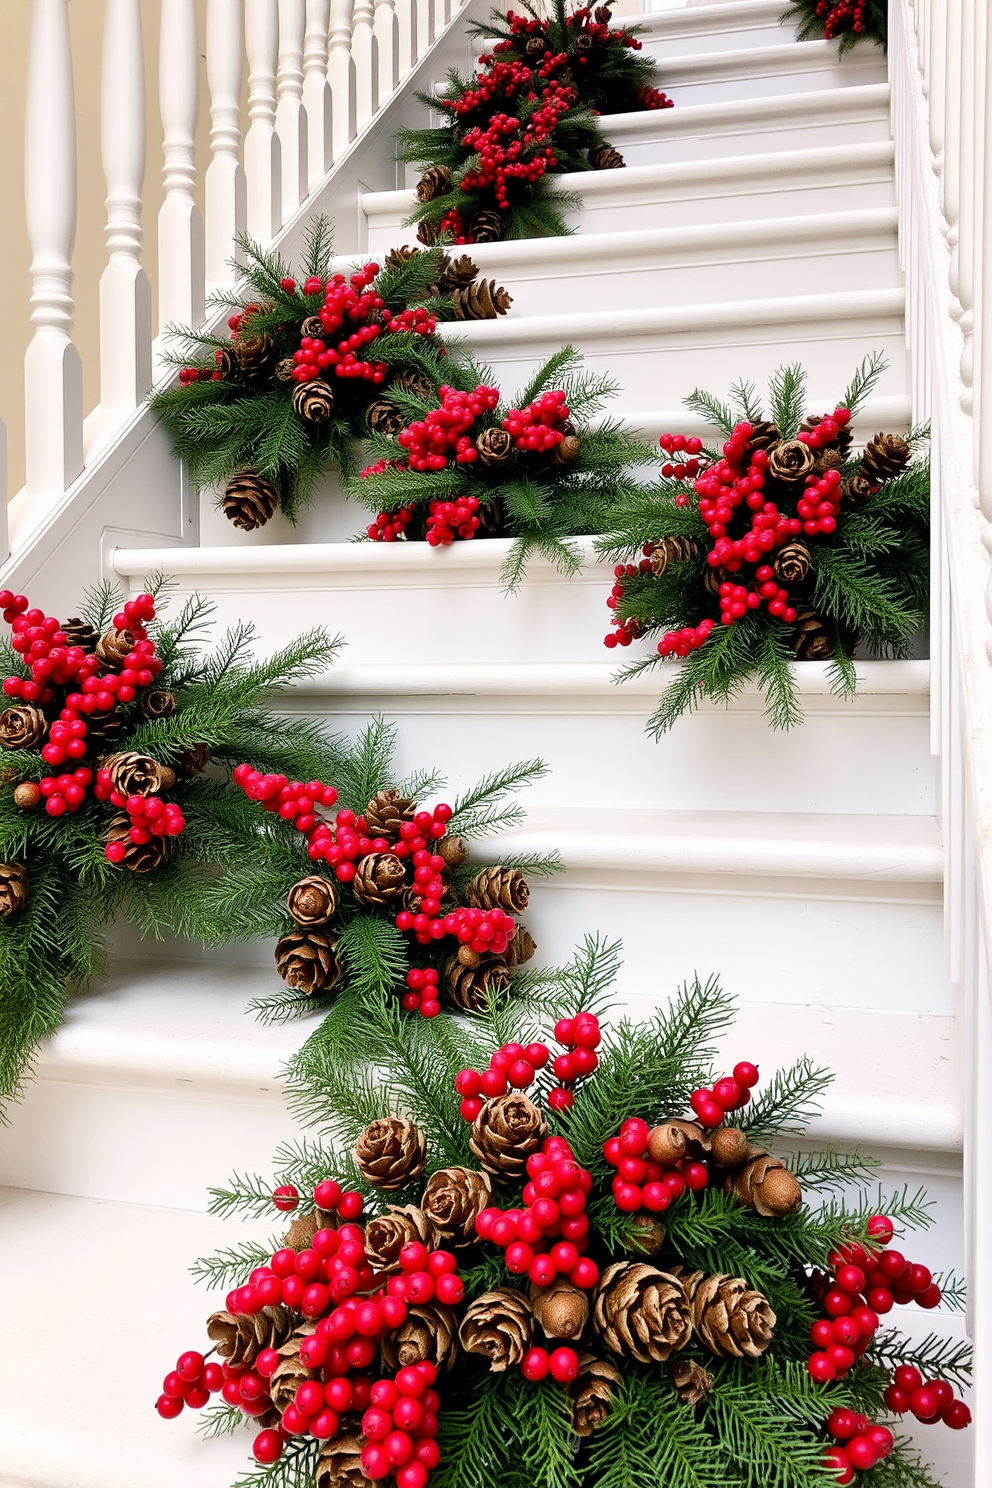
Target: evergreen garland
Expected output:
[848,19]
[783,545]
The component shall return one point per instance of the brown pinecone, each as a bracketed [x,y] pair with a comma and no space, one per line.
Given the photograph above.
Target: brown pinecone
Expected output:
[290,1372]
[713,578]
[159,703]
[641,1311]
[397,257]
[305,1226]
[507,1131]
[308,961]
[313,326]
[13,889]
[812,639]
[249,500]
[562,1310]
[386,812]
[521,947]
[843,440]
[22,726]
[646,1235]
[602,15]
[239,1337]
[591,1393]
[885,456]
[827,459]
[384,417]
[113,647]
[452,1200]
[604,157]
[691,1381]
[498,1325]
[80,633]
[498,888]
[430,1332]
[340,1463]
[791,563]
[672,1140]
[733,1321]
[104,727]
[314,400]
[135,774]
[225,362]
[495,447]
[379,878]
[417,385]
[583,42]
[728,1147]
[312,901]
[855,491]
[285,367]
[492,517]
[484,299]
[391,1153]
[764,435]
[436,181]
[486,227]
[536,46]
[454,851]
[387,1233]
[791,462]
[256,356]
[428,232]
[471,987]
[192,761]
[765,1184]
[673,550]
[140,857]
[458,273]
[567,451]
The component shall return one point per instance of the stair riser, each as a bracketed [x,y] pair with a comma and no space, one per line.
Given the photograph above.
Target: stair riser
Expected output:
[738,76]
[673,36]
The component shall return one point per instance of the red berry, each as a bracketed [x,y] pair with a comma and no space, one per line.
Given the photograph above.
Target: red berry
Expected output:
[837,1460]
[842,1423]
[286,1197]
[821,1368]
[861,1453]
[746,1074]
[563,1365]
[169,1406]
[536,1364]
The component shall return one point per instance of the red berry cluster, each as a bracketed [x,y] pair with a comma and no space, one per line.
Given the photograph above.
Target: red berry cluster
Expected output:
[442,432]
[388,526]
[580,1037]
[64,793]
[631,629]
[200,374]
[861,1444]
[294,801]
[191,1383]
[421,994]
[482,930]
[677,444]
[400,1427]
[730,1093]
[549,1237]
[513,1066]
[641,1183]
[536,427]
[848,15]
[689,638]
[150,816]
[353,301]
[928,1400]
[451,519]
[653,98]
[510,149]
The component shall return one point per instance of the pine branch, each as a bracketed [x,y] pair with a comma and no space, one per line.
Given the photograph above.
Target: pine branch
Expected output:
[476,813]
[787,390]
[232,1265]
[788,1103]
[863,382]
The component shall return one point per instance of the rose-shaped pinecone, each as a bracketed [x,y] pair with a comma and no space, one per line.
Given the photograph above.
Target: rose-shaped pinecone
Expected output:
[487,227]
[764,435]
[454,851]
[495,447]
[386,813]
[308,961]
[239,1337]
[471,987]
[521,948]
[791,462]
[765,1184]
[379,878]
[812,637]
[81,633]
[139,857]
[673,550]
[691,1381]
[249,500]
[256,356]
[384,417]
[340,1463]
[452,1200]
[13,889]
[791,563]
[391,1153]
[507,1131]
[159,703]
[498,888]
[500,1326]
[314,400]
[387,1233]
[135,774]
[536,46]
[641,1312]
[732,1321]
[22,726]
[290,1372]
[562,1310]
[436,181]
[591,1393]
[417,385]
[459,272]
[604,157]
[482,300]
[855,491]
[312,901]
[885,456]
[430,1332]
[113,648]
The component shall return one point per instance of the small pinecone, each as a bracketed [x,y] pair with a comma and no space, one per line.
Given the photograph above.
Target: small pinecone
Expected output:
[291,1372]
[591,1393]
[521,947]
[22,726]
[387,1233]
[13,889]
[536,46]
[811,639]
[340,1463]
[80,633]
[482,300]
[384,417]
[452,1200]
[427,232]
[308,960]
[239,1337]
[714,577]
[458,273]
[433,183]
[192,761]
[314,400]
[561,1310]
[567,451]
[673,550]
[305,1226]
[430,1333]
[487,227]
[225,362]
[691,1381]
[312,901]
[471,987]
[379,878]
[140,857]
[135,774]
[583,42]
[113,648]
[454,851]
[733,1321]
[386,813]
[604,157]
[855,491]
[492,518]
[417,384]
[507,1131]
[885,456]
[249,500]
[256,356]
[397,257]
[764,435]
[674,1139]
[391,1153]
[844,438]
[104,727]
[791,462]
[641,1311]
[495,447]
[728,1147]
[285,368]
[313,326]
[498,888]
[159,703]
[498,1325]
[791,563]
[765,1184]
[827,459]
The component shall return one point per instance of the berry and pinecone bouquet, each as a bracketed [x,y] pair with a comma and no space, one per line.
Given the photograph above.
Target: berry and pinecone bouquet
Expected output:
[583,1292]
[847,19]
[110,720]
[310,365]
[529,113]
[784,545]
[469,465]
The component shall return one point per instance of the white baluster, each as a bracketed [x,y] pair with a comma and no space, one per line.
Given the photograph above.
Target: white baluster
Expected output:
[387,48]
[983,333]
[291,121]
[263,155]
[406,25]
[317,93]
[125,294]
[950,179]
[936,81]
[340,76]
[53,375]
[425,26]
[226,195]
[364,62]
[180,226]
[963,259]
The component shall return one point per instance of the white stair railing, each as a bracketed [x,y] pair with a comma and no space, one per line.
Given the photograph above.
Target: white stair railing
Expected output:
[181,270]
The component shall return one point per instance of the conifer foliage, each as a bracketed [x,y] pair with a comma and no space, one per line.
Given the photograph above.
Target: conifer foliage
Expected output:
[849,20]
[603,1291]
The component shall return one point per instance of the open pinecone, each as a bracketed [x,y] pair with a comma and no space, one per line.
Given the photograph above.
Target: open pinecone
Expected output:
[308,960]
[604,157]
[487,227]
[386,813]
[140,857]
[498,1325]
[391,1153]
[13,889]
[765,1184]
[458,273]
[22,726]
[80,633]
[484,299]
[305,1226]
[159,703]
[134,774]
[591,1393]
[521,947]
[340,1463]
[379,878]
[471,987]
[239,1337]
[430,1332]
[312,901]
[249,500]
[256,356]
[673,550]
[733,1321]
[507,1131]
[885,456]
[691,1381]
[454,851]
[384,417]
[452,1201]
[790,462]
[641,1311]
[495,447]
[855,491]
[436,181]
[812,638]
[792,563]
[498,888]
[562,1310]
[418,385]
[314,400]
[387,1233]
[764,435]
[114,647]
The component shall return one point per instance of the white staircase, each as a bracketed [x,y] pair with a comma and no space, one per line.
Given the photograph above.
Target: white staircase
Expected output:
[755,224]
